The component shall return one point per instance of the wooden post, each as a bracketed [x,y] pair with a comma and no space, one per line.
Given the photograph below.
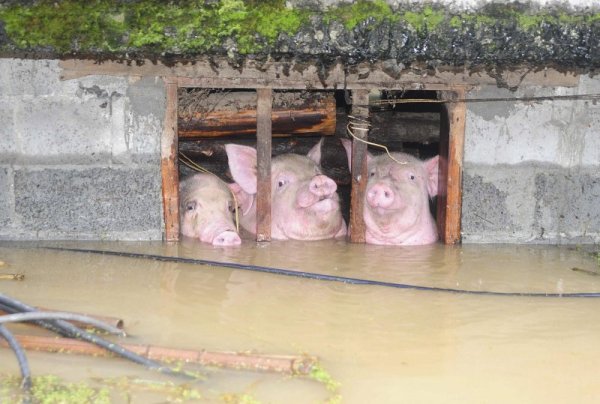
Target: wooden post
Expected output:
[169,169]
[360,110]
[264,107]
[452,136]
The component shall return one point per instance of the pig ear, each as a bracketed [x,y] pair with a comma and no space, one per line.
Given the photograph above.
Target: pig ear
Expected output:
[315,153]
[432,168]
[348,147]
[242,163]
[243,199]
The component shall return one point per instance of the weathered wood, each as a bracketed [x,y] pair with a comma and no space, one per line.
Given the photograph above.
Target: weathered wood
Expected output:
[234,113]
[360,110]
[213,72]
[449,207]
[263,151]
[288,364]
[169,169]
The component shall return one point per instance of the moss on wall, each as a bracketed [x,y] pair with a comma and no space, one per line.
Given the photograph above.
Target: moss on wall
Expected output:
[496,35]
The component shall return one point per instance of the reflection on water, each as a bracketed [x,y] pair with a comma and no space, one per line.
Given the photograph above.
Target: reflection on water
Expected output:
[383,344]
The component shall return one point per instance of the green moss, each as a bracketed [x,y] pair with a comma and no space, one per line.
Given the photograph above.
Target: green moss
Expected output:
[52,390]
[428,18]
[322,376]
[353,14]
[195,27]
[65,25]
[184,26]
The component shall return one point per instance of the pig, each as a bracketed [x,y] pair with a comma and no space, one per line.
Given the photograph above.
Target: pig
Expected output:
[207,209]
[304,202]
[396,202]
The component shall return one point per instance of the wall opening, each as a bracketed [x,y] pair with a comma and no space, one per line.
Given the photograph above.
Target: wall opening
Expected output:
[204,119]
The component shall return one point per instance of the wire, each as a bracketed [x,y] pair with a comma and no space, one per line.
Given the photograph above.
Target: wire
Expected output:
[21,359]
[360,124]
[317,276]
[69,330]
[572,97]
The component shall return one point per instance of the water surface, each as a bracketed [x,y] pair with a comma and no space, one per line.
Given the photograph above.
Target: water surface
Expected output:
[383,345]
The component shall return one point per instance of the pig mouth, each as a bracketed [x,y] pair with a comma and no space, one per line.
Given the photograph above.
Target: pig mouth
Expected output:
[322,204]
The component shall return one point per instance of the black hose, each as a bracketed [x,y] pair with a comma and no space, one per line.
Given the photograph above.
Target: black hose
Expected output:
[317,276]
[8,308]
[69,330]
[21,359]
[57,315]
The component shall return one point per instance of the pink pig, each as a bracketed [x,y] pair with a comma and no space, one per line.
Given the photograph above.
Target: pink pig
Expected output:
[206,210]
[304,202]
[396,209]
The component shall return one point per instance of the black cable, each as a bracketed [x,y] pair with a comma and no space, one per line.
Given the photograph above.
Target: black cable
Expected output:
[69,330]
[57,315]
[12,309]
[317,276]
[21,359]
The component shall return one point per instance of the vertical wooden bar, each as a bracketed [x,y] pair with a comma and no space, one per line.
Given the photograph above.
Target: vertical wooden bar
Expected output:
[360,110]
[168,165]
[452,139]
[442,197]
[264,108]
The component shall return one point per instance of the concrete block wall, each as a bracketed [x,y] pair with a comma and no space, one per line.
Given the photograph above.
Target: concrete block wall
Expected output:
[79,159]
[532,169]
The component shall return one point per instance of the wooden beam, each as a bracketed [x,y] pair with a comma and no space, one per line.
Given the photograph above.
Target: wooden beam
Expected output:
[234,113]
[213,72]
[169,168]
[452,136]
[264,108]
[360,111]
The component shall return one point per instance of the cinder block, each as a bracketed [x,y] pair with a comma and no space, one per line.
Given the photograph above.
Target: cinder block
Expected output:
[498,203]
[8,146]
[34,78]
[568,204]
[484,206]
[6,197]
[64,130]
[98,202]
[144,122]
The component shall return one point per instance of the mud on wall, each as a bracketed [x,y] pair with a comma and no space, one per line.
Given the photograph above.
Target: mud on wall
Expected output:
[532,169]
[79,159]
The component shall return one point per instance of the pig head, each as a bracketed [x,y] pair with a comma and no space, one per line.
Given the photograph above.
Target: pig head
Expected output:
[304,202]
[396,203]
[206,210]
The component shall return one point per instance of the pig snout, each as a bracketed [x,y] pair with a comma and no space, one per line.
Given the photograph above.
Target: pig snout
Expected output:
[380,196]
[322,185]
[227,238]
[318,193]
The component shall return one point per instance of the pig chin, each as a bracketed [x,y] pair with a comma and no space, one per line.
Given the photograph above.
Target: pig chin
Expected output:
[318,205]
[389,221]
[311,224]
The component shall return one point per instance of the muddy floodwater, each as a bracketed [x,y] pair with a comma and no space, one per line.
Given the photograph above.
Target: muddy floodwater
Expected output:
[381,344]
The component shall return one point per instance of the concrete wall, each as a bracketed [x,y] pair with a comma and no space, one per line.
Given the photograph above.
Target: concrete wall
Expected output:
[532,170]
[79,159]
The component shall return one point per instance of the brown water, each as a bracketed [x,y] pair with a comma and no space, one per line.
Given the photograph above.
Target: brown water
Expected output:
[383,345]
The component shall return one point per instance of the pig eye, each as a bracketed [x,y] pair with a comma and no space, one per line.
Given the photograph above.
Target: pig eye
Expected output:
[372,174]
[281,183]
[190,206]
[411,176]
[230,206]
